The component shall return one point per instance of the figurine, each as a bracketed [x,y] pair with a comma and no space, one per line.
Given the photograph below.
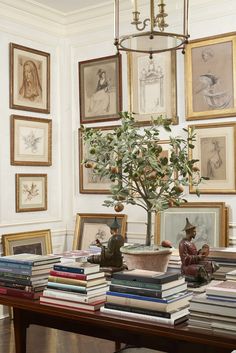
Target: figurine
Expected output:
[195,265]
[110,255]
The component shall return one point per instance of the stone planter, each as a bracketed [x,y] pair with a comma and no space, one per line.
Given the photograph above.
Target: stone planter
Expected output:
[146,258]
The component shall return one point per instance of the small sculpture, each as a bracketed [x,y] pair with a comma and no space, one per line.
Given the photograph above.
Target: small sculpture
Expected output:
[110,255]
[195,265]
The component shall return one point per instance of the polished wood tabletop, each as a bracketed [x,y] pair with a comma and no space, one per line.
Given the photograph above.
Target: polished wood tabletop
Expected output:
[172,339]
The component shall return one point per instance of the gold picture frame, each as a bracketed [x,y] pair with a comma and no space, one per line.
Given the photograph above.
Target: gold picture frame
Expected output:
[35,242]
[92,226]
[31,141]
[100,86]
[215,152]
[31,192]
[29,79]
[210,77]
[210,219]
[152,86]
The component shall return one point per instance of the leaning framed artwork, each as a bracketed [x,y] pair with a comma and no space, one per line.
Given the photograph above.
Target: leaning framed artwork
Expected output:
[31,141]
[92,226]
[100,89]
[210,77]
[215,152]
[152,86]
[29,79]
[208,217]
[31,192]
[36,242]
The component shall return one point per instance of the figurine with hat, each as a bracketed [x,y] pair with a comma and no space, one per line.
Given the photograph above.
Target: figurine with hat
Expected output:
[195,265]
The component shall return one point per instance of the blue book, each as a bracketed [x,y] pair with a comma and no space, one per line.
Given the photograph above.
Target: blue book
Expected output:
[29,259]
[170,299]
[77,267]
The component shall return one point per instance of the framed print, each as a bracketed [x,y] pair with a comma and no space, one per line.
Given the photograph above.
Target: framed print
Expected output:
[215,150]
[31,141]
[36,242]
[208,217]
[210,77]
[29,79]
[100,89]
[92,226]
[31,192]
[152,86]
[89,182]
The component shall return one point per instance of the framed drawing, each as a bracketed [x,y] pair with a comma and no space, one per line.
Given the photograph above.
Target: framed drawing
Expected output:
[29,79]
[36,242]
[89,182]
[31,192]
[152,86]
[31,141]
[215,150]
[210,77]
[208,217]
[92,226]
[100,89]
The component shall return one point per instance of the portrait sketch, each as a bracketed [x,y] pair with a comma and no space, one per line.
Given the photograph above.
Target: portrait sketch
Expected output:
[30,79]
[152,85]
[210,77]
[89,227]
[31,192]
[209,219]
[214,148]
[100,89]
[35,242]
[31,141]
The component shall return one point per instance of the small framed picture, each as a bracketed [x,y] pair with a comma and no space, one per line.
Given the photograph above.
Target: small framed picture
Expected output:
[92,226]
[152,86]
[210,77]
[100,89]
[31,192]
[215,150]
[31,141]
[36,242]
[29,79]
[208,217]
[89,182]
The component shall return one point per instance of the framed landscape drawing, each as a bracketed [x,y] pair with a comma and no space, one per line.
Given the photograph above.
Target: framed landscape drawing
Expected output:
[208,217]
[31,141]
[31,192]
[215,150]
[37,242]
[29,79]
[92,226]
[89,182]
[152,86]
[100,89]
[210,77]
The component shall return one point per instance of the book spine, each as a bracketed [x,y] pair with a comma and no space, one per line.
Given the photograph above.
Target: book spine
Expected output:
[137,310]
[12,265]
[138,297]
[68,275]
[66,296]
[156,280]
[14,275]
[75,282]
[136,284]
[68,287]
[20,281]
[138,291]
[68,269]
[19,293]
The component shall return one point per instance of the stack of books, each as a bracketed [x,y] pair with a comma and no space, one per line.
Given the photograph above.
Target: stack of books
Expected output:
[77,255]
[25,275]
[174,264]
[215,309]
[148,295]
[225,258]
[76,285]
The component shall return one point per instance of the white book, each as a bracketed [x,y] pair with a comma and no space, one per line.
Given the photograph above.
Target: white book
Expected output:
[73,296]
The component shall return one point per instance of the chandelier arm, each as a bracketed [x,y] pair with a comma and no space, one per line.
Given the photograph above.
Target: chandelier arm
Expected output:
[145,22]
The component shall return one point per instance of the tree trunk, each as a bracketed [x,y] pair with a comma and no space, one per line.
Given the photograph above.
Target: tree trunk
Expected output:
[149,228]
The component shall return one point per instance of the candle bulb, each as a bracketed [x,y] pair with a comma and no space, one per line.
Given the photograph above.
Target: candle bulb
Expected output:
[135,5]
[116,19]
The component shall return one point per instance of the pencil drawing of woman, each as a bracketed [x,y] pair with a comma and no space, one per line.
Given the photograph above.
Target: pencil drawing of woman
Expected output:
[213,158]
[30,88]
[100,99]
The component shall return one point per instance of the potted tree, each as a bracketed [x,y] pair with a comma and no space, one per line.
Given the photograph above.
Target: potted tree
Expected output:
[140,174]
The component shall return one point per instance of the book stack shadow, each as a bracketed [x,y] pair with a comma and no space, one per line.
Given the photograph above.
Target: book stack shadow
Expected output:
[148,295]
[76,286]
[25,275]
[216,308]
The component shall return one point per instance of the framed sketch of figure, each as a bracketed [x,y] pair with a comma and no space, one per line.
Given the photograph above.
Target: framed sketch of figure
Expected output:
[29,79]
[210,77]
[152,86]
[215,152]
[100,89]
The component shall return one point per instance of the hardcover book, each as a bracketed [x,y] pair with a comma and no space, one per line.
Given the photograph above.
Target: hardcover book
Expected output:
[95,305]
[156,286]
[56,294]
[79,289]
[29,259]
[80,276]
[146,276]
[78,267]
[19,293]
[77,282]
[223,288]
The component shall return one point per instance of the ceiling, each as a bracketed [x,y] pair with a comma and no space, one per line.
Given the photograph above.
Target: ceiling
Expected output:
[65,6]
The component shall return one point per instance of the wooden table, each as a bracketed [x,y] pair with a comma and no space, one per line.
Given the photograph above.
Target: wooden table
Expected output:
[180,339]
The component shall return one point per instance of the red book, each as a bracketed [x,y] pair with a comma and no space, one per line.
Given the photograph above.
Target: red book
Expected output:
[73,275]
[20,293]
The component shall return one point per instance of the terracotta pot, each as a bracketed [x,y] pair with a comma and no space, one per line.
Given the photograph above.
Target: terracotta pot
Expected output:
[154,260]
